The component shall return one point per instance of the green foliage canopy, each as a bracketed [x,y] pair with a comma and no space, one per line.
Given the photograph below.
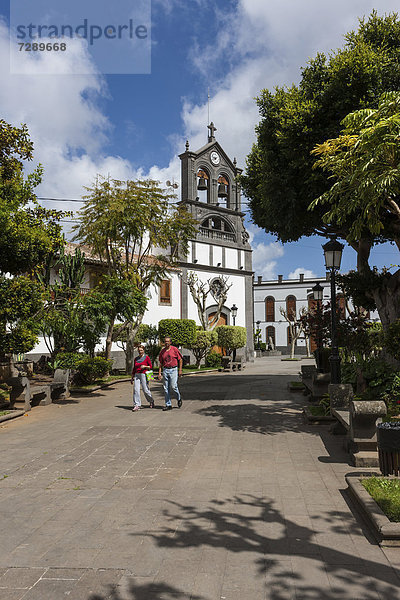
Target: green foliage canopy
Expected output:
[28,233]
[363,163]
[231,337]
[280,180]
[181,331]
[203,342]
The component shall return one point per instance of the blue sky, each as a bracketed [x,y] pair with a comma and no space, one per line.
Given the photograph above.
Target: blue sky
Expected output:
[135,125]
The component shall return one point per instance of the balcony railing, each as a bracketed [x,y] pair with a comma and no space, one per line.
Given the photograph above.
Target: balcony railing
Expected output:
[216,234]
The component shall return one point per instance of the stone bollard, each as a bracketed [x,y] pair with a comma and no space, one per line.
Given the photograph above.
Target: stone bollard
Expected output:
[320,382]
[226,363]
[20,391]
[340,395]
[307,371]
[362,433]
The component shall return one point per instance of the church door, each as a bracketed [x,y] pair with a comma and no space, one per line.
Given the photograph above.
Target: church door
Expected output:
[223,320]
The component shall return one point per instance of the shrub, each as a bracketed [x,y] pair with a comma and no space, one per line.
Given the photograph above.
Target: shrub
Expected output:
[181,331]
[67,360]
[91,369]
[231,337]
[203,342]
[213,359]
[392,339]
[391,395]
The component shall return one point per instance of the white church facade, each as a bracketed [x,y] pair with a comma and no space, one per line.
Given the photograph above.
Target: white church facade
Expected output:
[220,249]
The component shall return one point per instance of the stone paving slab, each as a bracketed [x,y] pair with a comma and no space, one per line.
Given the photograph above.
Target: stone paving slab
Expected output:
[230,497]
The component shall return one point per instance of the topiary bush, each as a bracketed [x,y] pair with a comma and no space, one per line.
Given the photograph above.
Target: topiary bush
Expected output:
[201,346]
[181,331]
[213,359]
[231,337]
[91,369]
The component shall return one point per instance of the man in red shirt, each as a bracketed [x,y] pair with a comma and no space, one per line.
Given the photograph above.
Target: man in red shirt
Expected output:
[170,369]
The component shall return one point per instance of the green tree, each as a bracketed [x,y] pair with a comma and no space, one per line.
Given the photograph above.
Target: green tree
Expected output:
[202,344]
[364,199]
[28,233]
[29,237]
[21,299]
[231,337]
[70,321]
[280,180]
[181,331]
[138,235]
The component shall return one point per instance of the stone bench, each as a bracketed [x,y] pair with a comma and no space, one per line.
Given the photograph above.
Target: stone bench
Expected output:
[38,394]
[316,383]
[238,364]
[227,364]
[359,422]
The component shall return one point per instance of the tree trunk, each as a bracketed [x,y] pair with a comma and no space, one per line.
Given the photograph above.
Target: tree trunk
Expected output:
[307,338]
[387,299]
[132,330]
[109,337]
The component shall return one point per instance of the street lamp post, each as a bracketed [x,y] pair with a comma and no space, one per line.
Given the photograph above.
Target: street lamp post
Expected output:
[333,256]
[258,334]
[234,310]
[318,294]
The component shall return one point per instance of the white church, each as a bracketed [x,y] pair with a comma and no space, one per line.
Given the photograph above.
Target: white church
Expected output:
[211,193]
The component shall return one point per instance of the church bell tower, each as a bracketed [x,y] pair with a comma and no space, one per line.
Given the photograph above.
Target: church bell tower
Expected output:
[211,193]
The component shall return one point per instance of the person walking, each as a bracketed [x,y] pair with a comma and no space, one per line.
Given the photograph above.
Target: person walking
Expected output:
[141,364]
[170,369]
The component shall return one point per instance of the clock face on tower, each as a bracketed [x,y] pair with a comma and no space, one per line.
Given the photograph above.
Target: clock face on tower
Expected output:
[215,159]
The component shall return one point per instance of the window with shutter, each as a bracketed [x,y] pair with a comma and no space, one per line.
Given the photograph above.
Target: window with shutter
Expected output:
[270,308]
[165,291]
[291,307]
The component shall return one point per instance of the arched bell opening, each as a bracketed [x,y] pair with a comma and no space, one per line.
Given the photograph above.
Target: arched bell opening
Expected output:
[203,186]
[223,191]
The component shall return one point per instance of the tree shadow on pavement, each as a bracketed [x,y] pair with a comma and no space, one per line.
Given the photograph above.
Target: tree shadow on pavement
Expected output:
[146,591]
[234,387]
[256,418]
[251,525]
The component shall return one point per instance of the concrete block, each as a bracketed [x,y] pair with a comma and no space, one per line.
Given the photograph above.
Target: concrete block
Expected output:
[340,395]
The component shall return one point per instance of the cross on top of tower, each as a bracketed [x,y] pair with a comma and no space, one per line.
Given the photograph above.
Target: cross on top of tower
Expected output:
[213,129]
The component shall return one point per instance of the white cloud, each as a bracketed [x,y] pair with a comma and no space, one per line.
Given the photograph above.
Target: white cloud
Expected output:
[308,274]
[262,45]
[65,121]
[264,259]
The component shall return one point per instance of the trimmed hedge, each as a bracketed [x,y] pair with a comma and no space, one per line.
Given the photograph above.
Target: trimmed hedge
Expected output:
[91,369]
[181,331]
[231,337]
[213,359]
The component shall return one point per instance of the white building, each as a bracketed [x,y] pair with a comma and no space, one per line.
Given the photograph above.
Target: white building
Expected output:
[289,295]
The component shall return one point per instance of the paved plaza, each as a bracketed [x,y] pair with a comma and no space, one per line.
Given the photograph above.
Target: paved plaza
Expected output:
[232,497]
